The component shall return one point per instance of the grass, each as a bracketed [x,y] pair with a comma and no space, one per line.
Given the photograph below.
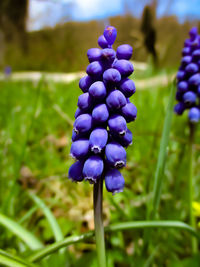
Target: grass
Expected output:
[39,161]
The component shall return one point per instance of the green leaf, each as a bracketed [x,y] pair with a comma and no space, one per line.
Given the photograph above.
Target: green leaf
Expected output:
[50,217]
[159,174]
[38,255]
[7,259]
[31,241]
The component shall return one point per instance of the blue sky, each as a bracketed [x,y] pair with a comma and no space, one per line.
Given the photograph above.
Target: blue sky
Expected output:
[50,12]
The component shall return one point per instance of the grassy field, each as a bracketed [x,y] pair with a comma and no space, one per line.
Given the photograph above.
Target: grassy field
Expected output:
[35,136]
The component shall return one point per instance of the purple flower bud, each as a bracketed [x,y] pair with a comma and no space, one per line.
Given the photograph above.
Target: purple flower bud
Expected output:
[108,55]
[196,55]
[194,79]
[117,125]
[115,155]
[124,66]
[189,98]
[100,113]
[192,68]
[194,115]
[85,83]
[80,149]
[186,60]
[94,54]
[111,76]
[83,123]
[75,171]
[114,181]
[127,87]
[78,112]
[76,136]
[93,168]
[186,51]
[102,42]
[115,100]
[182,86]
[127,139]
[193,33]
[98,140]
[179,108]
[94,69]
[85,102]
[180,75]
[129,112]
[98,90]
[110,34]
[124,51]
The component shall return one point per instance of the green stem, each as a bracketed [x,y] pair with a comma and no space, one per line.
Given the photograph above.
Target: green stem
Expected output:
[191,192]
[98,222]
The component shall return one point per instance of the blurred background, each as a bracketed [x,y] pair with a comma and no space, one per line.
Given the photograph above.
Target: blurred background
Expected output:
[43,46]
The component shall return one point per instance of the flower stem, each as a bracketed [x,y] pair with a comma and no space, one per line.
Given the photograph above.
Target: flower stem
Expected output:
[98,222]
[191,169]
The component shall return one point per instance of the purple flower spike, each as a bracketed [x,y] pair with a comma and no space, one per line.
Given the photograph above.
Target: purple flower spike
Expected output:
[102,42]
[194,115]
[115,155]
[80,149]
[189,98]
[85,83]
[93,169]
[115,100]
[85,102]
[100,113]
[98,90]
[188,78]
[129,111]
[124,51]
[83,123]
[94,54]
[98,140]
[100,133]
[124,66]
[75,172]
[94,69]
[117,125]
[111,76]
[110,34]
[127,87]
[114,181]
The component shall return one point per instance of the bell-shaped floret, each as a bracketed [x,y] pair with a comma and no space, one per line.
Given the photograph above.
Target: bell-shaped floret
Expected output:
[75,171]
[80,149]
[114,181]
[115,155]
[98,140]
[93,168]
[83,123]
[115,100]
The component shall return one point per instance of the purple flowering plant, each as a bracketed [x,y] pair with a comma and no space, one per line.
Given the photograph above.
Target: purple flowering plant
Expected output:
[188,78]
[100,134]
[188,97]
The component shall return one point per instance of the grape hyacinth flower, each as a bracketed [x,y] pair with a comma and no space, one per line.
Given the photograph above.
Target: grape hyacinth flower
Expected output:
[188,78]
[100,133]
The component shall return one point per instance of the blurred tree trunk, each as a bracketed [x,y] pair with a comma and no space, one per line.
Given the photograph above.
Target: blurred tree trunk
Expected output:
[13,14]
[149,31]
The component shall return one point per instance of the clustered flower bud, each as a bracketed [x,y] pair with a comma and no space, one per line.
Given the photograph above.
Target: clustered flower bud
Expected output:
[188,78]
[100,133]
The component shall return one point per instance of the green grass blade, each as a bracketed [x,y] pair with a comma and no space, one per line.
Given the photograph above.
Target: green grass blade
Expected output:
[31,241]
[159,174]
[7,259]
[50,217]
[38,255]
